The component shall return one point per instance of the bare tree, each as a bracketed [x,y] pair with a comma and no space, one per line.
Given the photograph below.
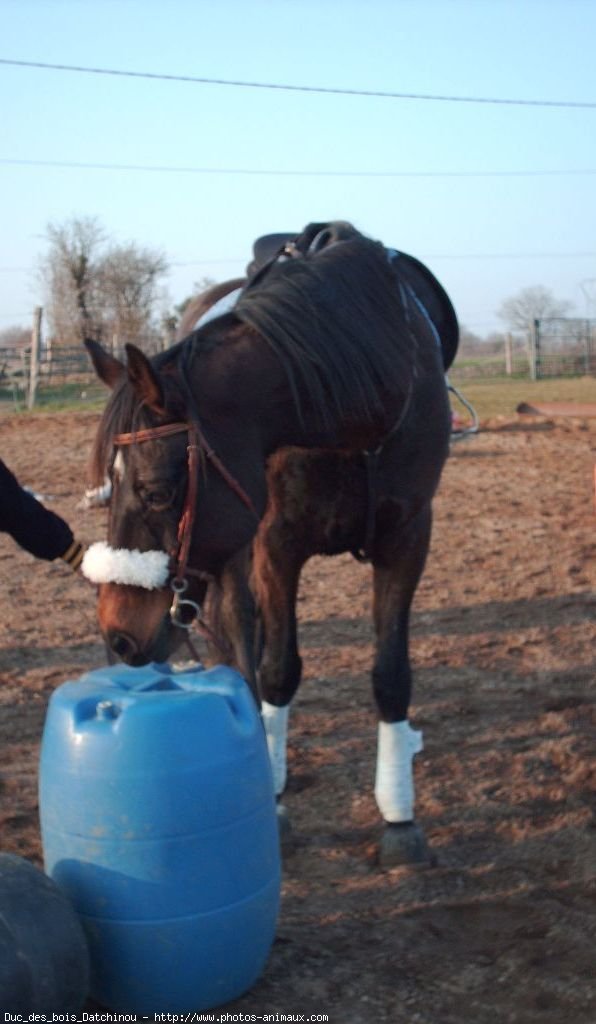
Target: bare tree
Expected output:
[69,270]
[473,344]
[15,337]
[97,289]
[128,278]
[533,303]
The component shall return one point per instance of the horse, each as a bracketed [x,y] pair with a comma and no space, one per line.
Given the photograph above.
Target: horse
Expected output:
[311,418]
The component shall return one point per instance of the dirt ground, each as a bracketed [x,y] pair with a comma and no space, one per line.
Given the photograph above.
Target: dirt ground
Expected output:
[503,928]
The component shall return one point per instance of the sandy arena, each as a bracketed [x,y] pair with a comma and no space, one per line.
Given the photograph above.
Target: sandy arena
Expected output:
[503,928]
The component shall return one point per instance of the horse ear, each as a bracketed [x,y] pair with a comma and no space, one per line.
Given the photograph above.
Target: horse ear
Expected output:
[144,379]
[109,369]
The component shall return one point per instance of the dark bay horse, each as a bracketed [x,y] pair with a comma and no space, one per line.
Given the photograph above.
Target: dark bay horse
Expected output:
[318,421]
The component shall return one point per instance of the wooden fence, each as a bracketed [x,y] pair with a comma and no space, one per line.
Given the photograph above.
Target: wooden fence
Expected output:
[23,378]
[28,372]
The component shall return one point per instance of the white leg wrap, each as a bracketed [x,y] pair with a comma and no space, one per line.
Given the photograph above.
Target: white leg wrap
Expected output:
[275,721]
[394,784]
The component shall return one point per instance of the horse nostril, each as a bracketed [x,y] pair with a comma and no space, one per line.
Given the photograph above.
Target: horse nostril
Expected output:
[123,645]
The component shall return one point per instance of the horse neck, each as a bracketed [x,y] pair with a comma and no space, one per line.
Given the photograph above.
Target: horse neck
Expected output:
[241,386]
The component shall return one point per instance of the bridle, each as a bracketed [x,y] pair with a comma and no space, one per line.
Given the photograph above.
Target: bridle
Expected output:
[179,557]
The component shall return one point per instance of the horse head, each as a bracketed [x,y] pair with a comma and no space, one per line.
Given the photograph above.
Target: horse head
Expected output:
[169,532]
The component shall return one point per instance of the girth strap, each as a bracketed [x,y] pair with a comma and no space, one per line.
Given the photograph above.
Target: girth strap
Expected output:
[371,461]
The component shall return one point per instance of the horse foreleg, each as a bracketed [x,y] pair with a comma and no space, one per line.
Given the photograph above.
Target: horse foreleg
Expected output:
[233,610]
[398,566]
[276,572]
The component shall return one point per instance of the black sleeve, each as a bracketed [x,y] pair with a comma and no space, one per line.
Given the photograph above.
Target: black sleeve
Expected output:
[40,531]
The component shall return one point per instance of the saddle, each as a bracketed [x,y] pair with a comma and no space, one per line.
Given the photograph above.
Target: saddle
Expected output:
[268,248]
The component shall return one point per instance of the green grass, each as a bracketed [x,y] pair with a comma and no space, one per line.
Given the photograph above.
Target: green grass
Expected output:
[71,396]
[501,395]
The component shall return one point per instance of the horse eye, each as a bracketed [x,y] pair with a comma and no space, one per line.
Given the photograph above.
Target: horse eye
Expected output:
[159,499]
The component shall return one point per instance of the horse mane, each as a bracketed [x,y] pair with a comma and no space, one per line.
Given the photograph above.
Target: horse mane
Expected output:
[335,319]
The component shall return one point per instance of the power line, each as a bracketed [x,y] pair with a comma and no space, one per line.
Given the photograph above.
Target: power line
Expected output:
[508,255]
[270,172]
[438,256]
[241,260]
[435,98]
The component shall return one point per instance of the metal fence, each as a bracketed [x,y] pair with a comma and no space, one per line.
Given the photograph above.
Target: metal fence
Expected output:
[563,347]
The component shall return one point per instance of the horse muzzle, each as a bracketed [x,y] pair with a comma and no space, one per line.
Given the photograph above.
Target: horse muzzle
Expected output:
[145,611]
[136,623]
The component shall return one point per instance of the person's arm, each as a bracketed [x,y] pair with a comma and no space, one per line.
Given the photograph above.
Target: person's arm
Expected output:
[33,526]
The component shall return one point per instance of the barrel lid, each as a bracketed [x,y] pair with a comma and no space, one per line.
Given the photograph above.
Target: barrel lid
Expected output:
[155,699]
[163,676]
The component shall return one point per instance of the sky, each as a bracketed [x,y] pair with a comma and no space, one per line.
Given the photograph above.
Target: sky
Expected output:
[493,197]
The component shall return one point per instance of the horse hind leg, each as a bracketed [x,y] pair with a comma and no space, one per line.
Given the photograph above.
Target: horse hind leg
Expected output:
[398,565]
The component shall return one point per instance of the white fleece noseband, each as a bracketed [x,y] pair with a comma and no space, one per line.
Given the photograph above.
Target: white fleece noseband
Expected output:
[147,569]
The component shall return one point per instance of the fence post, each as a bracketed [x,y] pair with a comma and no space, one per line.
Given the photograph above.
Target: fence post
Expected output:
[587,353]
[534,338]
[508,355]
[34,361]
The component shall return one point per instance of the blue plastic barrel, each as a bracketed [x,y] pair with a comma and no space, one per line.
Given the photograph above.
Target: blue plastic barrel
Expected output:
[158,821]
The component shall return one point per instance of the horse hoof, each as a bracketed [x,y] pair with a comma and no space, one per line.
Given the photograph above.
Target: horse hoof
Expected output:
[404,844]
